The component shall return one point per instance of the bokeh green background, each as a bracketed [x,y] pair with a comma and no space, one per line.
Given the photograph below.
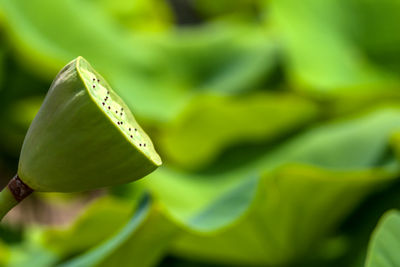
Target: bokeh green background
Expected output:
[278,123]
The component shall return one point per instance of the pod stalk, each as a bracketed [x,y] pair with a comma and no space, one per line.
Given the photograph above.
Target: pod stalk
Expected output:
[12,194]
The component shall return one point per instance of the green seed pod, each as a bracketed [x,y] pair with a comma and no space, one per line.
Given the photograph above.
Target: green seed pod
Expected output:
[84,137]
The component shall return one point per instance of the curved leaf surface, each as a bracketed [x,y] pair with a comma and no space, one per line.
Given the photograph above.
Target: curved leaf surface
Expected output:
[384,246]
[211,123]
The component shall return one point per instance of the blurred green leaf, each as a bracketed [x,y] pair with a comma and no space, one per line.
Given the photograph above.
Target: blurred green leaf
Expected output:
[37,39]
[304,180]
[359,226]
[384,246]
[284,224]
[361,141]
[4,254]
[46,246]
[221,57]
[142,15]
[225,209]
[149,72]
[203,205]
[30,252]
[356,143]
[322,58]
[211,123]
[373,26]
[141,242]
[99,222]
[33,27]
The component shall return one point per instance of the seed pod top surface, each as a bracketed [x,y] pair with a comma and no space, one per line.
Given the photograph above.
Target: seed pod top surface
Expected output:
[84,137]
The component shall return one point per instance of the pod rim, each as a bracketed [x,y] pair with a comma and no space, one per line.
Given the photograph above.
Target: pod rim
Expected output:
[153,157]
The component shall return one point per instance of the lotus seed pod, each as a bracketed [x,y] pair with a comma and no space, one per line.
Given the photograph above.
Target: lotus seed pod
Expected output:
[84,137]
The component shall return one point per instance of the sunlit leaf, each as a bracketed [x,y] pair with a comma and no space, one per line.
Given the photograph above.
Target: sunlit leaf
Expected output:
[322,56]
[154,15]
[284,223]
[144,242]
[304,180]
[140,243]
[100,221]
[212,123]
[384,246]
[149,72]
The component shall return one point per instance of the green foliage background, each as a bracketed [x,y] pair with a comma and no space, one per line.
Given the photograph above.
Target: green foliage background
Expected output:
[278,123]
